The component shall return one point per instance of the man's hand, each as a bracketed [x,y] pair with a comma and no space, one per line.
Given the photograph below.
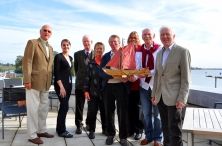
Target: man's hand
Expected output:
[153,100]
[180,105]
[124,80]
[142,76]
[28,86]
[131,78]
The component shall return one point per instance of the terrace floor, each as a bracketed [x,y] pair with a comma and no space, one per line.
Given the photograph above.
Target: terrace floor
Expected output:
[15,136]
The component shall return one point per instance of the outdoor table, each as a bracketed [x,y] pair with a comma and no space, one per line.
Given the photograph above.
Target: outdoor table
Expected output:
[204,123]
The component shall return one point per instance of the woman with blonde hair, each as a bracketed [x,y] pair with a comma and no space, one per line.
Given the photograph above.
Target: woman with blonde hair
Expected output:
[135,124]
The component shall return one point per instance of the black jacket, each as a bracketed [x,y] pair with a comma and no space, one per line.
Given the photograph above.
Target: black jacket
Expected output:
[92,81]
[62,71]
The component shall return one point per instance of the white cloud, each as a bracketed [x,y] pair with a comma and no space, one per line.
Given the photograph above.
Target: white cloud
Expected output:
[196,24]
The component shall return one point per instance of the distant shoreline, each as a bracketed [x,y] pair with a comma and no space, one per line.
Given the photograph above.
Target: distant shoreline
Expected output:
[206,68]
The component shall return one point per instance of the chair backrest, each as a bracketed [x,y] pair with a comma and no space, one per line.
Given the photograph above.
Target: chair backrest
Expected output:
[13,94]
[15,82]
[1,83]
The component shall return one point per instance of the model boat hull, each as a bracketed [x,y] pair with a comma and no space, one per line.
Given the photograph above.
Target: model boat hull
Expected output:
[126,73]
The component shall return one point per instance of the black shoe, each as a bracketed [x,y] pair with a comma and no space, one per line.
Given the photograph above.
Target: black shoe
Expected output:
[138,136]
[104,132]
[91,135]
[65,134]
[79,130]
[124,142]
[109,140]
[87,128]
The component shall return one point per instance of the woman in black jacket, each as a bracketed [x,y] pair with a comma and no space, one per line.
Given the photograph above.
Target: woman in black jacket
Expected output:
[92,90]
[63,86]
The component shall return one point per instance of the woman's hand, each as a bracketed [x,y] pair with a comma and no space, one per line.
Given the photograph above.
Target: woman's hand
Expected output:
[62,92]
[87,96]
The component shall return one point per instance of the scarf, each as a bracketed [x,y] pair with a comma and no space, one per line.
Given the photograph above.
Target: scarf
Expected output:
[150,62]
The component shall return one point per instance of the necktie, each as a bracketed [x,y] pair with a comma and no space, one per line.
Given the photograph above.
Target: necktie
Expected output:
[111,55]
[87,54]
[47,49]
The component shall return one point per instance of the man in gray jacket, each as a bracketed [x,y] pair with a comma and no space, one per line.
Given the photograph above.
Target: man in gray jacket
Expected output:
[171,86]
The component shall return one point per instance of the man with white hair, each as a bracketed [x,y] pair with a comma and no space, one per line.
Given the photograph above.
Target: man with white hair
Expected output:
[37,76]
[171,86]
[81,59]
[153,129]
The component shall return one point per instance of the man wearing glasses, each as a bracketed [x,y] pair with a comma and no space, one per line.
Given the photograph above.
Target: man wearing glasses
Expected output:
[37,75]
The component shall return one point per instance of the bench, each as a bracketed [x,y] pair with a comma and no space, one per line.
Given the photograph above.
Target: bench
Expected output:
[204,123]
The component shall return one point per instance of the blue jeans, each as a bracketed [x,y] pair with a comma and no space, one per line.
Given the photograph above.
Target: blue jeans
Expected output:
[153,128]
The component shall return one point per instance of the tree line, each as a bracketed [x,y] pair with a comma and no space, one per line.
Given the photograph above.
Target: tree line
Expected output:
[18,63]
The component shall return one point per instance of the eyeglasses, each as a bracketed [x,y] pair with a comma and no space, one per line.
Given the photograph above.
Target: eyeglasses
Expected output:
[47,31]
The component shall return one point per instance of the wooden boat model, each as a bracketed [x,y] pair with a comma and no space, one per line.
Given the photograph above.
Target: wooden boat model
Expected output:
[123,64]
[123,73]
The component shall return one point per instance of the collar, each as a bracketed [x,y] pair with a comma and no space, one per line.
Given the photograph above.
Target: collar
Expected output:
[111,53]
[170,47]
[147,48]
[44,42]
[87,51]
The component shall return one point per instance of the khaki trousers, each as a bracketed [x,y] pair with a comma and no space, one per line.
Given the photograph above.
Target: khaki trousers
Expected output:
[37,111]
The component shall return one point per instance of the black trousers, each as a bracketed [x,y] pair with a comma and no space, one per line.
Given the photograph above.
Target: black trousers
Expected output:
[63,109]
[171,119]
[80,101]
[94,105]
[112,93]
[135,125]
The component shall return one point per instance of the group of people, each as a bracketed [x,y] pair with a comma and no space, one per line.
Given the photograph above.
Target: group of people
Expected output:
[160,96]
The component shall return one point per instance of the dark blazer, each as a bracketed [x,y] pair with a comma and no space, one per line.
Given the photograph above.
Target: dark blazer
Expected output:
[105,77]
[80,67]
[62,71]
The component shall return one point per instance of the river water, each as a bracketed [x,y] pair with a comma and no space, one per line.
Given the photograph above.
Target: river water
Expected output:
[198,77]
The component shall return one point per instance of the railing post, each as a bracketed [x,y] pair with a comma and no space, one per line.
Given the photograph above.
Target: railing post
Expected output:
[215,82]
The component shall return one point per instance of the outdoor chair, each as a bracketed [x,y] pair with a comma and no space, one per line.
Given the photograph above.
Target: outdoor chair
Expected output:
[12,110]
[7,83]
[13,82]
[1,86]
[53,96]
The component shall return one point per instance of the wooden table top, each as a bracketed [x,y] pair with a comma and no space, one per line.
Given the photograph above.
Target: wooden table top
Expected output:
[203,121]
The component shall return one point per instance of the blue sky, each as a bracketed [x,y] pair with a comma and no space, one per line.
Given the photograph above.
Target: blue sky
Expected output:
[196,23]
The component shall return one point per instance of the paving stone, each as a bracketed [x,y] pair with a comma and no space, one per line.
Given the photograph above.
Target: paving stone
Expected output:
[79,141]
[16,136]
[21,140]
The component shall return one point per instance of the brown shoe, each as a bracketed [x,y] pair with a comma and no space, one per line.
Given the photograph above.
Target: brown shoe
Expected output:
[36,141]
[45,135]
[156,143]
[145,141]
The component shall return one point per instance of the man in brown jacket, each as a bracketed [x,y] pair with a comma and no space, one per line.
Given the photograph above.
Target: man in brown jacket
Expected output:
[37,75]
